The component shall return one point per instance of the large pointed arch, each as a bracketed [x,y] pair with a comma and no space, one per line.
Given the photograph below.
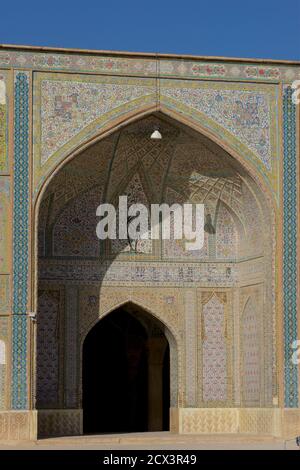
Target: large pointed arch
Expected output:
[168,116]
[119,123]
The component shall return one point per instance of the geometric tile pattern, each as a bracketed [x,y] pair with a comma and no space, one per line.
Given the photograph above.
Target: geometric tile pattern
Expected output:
[59,423]
[214,354]
[74,230]
[71,345]
[20,240]
[226,234]
[250,368]
[48,349]
[181,168]
[290,246]
[190,348]
[135,193]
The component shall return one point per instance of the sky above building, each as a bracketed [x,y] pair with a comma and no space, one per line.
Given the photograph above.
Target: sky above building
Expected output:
[232,28]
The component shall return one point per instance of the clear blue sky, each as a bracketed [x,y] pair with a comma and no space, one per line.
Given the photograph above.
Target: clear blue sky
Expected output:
[241,28]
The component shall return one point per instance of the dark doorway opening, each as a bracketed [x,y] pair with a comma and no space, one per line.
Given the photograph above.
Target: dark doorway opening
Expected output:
[118,369]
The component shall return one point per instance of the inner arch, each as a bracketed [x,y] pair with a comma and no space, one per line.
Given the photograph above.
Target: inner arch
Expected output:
[125,373]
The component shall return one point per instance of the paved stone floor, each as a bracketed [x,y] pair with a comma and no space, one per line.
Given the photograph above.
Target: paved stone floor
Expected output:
[160,440]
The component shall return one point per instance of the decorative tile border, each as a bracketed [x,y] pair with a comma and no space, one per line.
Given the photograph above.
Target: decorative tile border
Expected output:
[21,196]
[146,66]
[147,274]
[20,240]
[290,246]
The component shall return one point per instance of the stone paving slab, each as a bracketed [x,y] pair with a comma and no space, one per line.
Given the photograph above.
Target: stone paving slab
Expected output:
[151,441]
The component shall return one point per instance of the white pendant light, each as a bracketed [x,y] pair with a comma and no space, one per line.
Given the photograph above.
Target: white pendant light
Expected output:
[156,135]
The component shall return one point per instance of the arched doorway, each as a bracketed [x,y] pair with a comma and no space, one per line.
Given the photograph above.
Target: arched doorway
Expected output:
[125,374]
